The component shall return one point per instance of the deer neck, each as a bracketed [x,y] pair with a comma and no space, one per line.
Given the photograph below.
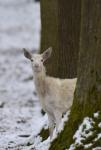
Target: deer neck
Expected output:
[40,83]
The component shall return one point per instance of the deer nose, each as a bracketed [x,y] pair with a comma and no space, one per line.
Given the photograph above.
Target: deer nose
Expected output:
[36,65]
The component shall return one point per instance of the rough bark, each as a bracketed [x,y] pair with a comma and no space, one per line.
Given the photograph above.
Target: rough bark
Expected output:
[60,21]
[87,98]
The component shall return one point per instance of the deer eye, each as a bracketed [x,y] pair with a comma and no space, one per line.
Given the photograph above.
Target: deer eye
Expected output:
[41,60]
[32,60]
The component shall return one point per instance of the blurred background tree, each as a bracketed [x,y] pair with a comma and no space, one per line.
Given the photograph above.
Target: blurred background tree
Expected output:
[60,22]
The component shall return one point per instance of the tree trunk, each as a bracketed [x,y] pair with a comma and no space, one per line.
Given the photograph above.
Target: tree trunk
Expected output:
[87,98]
[60,29]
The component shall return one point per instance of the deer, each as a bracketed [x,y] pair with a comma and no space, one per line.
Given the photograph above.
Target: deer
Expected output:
[55,94]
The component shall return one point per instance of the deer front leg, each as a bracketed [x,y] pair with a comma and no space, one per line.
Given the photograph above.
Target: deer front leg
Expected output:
[51,125]
[58,117]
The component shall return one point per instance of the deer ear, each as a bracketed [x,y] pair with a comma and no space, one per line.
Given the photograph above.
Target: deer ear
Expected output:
[27,54]
[47,53]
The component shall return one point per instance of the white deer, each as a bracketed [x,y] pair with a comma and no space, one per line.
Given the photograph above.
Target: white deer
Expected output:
[55,95]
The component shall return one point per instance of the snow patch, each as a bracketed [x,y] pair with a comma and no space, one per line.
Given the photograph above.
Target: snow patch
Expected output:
[99,125]
[96,114]
[82,133]
[86,131]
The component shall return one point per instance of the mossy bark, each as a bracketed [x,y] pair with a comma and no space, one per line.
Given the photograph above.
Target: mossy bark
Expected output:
[87,97]
[60,20]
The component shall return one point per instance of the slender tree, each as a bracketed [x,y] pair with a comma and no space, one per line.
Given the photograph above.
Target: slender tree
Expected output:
[87,99]
[60,21]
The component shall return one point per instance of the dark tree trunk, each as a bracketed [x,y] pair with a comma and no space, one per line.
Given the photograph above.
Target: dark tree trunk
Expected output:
[60,29]
[87,99]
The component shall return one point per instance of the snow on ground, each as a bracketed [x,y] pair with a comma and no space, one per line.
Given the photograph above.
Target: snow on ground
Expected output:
[19,107]
[88,135]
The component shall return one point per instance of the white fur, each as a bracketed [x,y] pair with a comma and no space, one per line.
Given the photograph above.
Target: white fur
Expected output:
[55,95]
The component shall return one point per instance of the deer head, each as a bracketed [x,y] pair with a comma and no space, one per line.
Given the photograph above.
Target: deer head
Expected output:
[37,60]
